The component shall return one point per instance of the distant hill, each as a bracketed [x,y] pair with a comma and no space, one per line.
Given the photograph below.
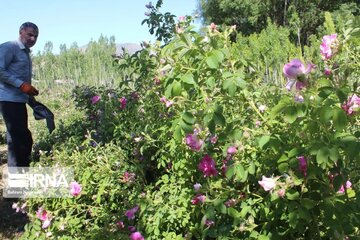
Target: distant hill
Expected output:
[130,48]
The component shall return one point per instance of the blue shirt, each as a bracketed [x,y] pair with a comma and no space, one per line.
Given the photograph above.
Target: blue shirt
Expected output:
[15,69]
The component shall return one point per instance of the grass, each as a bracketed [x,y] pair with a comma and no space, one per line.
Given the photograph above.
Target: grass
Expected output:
[60,103]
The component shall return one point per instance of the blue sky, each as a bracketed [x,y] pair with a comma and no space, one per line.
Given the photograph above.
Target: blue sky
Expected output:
[68,21]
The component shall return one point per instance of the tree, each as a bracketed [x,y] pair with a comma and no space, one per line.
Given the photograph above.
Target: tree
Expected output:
[303,17]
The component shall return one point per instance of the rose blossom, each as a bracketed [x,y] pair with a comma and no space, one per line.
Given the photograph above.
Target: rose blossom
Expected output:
[267,183]
[302,165]
[207,166]
[95,99]
[75,188]
[131,212]
[296,71]
[199,198]
[352,105]
[136,236]
[194,142]
[327,47]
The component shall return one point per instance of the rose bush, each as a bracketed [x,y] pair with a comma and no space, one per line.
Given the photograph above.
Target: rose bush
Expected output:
[197,144]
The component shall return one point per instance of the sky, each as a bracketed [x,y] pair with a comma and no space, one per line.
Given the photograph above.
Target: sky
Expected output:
[80,21]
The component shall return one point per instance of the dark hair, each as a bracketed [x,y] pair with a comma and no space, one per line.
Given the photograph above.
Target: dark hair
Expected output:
[28,25]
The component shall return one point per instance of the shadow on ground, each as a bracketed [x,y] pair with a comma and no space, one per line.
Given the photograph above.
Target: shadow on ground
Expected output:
[11,223]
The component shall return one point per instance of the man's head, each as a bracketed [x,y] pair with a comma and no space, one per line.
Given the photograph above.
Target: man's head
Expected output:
[28,34]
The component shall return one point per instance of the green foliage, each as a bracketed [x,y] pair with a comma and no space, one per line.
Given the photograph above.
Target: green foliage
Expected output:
[162,25]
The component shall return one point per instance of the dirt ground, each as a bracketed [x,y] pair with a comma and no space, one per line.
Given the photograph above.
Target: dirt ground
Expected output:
[11,222]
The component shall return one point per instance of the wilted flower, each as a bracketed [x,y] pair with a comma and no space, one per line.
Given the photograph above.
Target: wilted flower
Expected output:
[209,223]
[296,71]
[128,177]
[75,188]
[257,123]
[281,193]
[168,103]
[132,228]
[327,72]
[179,29]
[262,108]
[136,236]
[267,183]
[328,46]
[46,223]
[123,102]
[230,202]
[149,5]
[95,99]
[131,212]
[62,227]
[213,26]
[197,187]
[299,98]
[194,142]
[352,106]
[213,139]
[207,166]
[199,198]
[231,150]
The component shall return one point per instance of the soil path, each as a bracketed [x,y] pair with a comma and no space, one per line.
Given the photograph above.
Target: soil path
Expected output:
[11,222]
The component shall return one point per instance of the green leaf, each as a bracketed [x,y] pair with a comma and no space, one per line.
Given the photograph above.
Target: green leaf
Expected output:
[176,88]
[240,82]
[293,152]
[188,78]
[324,92]
[292,194]
[334,154]
[210,82]
[219,119]
[230,172]
[322,155]
[229,85]
[240,172]
[307,203]
[293,219]
[214,59]
[251,168]
[325,114]
[186,38]
[233,213]
[188,118]
[263,140]
[177,134]
[283,167]
[186,127]
[339,118]
[290,114]
[280,107]
[211,126]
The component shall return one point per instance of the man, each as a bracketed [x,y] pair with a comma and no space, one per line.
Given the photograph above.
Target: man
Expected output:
[15,91]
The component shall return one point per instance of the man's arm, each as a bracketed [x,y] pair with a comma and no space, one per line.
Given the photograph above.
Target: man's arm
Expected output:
[6,57]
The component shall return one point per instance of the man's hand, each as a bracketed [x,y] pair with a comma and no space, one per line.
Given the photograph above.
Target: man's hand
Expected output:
[28,89]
